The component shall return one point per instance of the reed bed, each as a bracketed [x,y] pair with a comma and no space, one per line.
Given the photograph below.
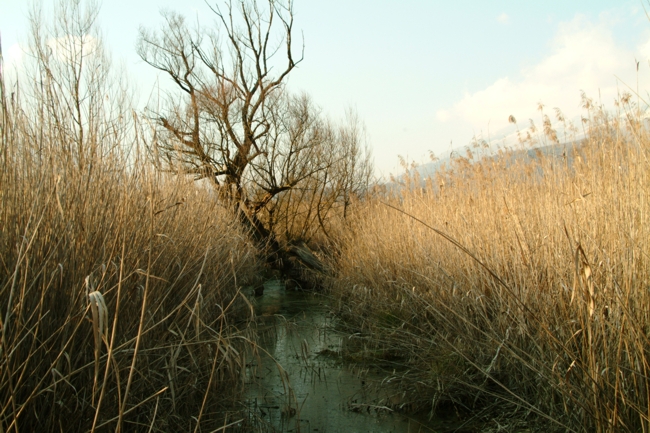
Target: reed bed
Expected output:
[119,290]
[513,289]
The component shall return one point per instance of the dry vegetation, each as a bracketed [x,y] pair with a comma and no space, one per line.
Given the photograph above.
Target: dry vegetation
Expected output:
[510,287]
[119,299]
[521,289]
[125,238]
[283,166]
[119,286]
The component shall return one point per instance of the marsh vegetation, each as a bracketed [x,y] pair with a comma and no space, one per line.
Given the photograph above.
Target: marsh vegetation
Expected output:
[507,292]
[515,288]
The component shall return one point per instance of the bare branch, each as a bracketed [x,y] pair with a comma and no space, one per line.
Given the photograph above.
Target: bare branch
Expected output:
[269,152]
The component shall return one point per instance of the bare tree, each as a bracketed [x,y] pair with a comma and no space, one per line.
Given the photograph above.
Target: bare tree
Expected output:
[305,212]
[79,100]
[237,125]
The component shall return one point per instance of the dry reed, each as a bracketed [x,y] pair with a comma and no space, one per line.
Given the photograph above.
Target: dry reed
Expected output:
[120,298]
[119,285]
[520,288]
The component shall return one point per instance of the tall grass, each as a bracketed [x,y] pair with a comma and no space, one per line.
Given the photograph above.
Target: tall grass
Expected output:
[119,286]
[119,294]
[520,289]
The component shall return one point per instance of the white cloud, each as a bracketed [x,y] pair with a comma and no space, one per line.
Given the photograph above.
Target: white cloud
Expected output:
[644,50]
[12,61]
[64,47]
[504,18]
[14,54]
[443,115]
[15,59]
[584,57]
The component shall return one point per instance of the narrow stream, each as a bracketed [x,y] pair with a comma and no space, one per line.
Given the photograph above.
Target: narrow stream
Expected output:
[298,381]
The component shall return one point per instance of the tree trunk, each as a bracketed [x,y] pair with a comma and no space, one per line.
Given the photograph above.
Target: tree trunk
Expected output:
[290,261]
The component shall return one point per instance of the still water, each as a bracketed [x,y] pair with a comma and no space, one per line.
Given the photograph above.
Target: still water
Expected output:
[298,382]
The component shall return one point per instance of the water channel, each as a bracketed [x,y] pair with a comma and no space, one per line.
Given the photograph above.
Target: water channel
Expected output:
[298,381]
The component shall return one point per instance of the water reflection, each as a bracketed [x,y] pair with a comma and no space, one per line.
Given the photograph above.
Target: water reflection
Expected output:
[297,381]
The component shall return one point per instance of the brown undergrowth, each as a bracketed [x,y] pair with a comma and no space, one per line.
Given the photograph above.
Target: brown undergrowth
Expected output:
[120,306]
[515,286]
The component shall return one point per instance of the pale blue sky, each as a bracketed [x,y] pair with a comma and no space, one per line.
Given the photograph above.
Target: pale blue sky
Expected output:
[422,74]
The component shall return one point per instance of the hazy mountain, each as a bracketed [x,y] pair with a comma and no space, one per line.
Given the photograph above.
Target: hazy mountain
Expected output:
[429,169]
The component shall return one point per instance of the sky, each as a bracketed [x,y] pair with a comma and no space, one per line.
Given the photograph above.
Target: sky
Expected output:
[423,75]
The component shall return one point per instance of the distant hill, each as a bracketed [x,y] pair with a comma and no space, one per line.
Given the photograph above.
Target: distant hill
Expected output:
[429,169]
